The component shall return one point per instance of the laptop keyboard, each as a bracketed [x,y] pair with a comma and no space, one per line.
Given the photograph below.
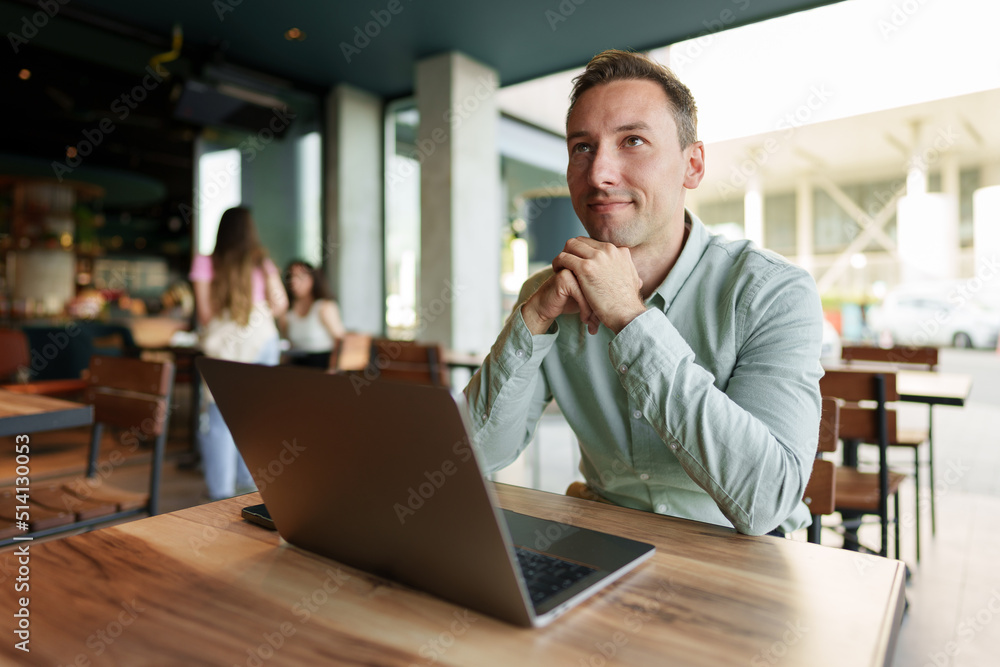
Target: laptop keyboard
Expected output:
[545,575]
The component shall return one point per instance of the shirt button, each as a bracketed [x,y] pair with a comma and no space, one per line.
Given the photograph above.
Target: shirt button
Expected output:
[623,369]
[518,353]
[661,508]
[673,446]
[484,416]
[644,476]
[637,414]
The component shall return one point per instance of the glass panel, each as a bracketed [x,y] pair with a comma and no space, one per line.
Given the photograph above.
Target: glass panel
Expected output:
[402,219]
[310,169]
[219,175]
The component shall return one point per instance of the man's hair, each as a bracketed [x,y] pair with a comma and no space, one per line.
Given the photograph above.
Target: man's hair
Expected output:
[615,65]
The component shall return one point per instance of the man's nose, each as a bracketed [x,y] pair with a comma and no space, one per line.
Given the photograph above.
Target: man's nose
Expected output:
[604,168]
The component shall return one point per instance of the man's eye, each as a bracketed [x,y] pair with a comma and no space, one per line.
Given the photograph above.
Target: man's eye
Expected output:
[634,141]
[581,148]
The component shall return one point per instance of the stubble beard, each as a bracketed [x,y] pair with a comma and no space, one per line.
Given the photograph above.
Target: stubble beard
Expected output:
[624,234]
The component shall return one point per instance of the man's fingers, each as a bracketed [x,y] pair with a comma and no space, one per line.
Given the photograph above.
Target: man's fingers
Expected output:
[583,246]
[565,260]
[570,287]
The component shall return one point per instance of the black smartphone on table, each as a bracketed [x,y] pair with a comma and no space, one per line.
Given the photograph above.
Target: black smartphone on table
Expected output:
[259,515]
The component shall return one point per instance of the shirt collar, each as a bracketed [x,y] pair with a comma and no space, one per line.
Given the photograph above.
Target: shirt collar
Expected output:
[697,241]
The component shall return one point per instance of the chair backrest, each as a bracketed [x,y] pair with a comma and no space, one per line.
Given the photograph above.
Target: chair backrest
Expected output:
[14,356]
[351,353]
[853,385]
[863,423]
[860,423]
[820,494]
[829,425]
[406,361]
[899,355]
[130,392]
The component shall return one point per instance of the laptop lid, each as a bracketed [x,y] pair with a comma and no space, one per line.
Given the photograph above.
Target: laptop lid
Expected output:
[381,476]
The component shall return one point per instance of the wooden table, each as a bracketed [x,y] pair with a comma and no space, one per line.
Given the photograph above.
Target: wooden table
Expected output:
[930,387]
[933,388]
[27,413]
[201,586]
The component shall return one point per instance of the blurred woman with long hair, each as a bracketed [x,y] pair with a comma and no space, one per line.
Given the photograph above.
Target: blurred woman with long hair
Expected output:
[238,293]
[312,323]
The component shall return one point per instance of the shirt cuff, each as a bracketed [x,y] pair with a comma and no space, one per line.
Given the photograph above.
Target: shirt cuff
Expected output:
[517,348]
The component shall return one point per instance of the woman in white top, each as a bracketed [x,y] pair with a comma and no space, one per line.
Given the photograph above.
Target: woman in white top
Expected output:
[312,323]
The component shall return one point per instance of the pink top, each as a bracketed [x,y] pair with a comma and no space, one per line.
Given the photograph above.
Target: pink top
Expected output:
[201,271]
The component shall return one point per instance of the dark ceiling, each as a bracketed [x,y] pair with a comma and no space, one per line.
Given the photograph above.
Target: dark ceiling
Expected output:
[523,39]
[84,56]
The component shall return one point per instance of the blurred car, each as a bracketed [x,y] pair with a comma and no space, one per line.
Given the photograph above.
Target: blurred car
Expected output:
[942,314]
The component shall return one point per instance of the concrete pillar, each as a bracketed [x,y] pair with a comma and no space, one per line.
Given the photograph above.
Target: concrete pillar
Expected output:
[986,227]
[922,238]
[353,247]
[460,205]
[950,187]
[927,223]
[804,224]
[753,211]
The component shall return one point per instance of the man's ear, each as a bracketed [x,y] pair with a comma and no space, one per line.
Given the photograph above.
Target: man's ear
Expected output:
[695,163]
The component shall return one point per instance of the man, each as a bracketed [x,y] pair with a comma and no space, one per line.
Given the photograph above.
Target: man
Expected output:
[687,366]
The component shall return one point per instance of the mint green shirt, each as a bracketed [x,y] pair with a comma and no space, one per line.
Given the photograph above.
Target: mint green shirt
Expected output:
[704,407]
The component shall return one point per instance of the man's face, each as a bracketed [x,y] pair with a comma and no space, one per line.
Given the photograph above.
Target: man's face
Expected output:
[627,171]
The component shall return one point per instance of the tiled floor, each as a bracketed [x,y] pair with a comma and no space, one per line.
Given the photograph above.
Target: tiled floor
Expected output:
[954,592]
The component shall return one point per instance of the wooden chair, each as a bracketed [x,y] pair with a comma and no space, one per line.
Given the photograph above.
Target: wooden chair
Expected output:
[15,369]
[351,353]
[901,354]
[863,493]
[821,492]
[131,395]
[407,361]
[395,360]
[916,358]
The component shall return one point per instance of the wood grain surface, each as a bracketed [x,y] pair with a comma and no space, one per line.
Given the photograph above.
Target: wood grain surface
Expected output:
[17,405]
[28,413]
[202,586]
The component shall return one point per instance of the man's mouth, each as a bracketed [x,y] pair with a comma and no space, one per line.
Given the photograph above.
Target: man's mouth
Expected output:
[605,206]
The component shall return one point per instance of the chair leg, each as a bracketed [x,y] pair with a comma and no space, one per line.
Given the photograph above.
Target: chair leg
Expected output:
[884,547]
[896,522]
[95,448]
[156,473]
[814,529]
[930,462]
[916,499]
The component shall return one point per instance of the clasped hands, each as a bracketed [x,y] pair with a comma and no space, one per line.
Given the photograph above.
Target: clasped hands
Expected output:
[596,279]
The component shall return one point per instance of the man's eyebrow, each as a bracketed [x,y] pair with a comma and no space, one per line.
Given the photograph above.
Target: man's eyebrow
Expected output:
[638,125]
[628,127]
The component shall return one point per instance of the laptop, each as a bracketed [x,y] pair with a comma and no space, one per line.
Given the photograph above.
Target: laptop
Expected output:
[381,476]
